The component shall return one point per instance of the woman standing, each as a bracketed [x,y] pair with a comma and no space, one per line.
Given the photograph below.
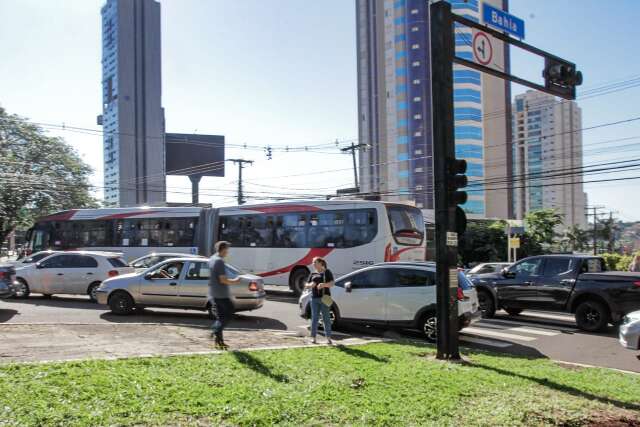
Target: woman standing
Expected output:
[320,283]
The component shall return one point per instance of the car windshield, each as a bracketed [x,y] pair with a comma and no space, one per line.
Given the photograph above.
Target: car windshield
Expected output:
[232,271]
[148,261]
[35,258]
[407,224]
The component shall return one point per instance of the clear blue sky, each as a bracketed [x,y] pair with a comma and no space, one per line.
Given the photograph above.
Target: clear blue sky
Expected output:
[284,72]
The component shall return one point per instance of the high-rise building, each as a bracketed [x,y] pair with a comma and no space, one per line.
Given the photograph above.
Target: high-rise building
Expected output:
[547,157]
[132,115]
[394,107]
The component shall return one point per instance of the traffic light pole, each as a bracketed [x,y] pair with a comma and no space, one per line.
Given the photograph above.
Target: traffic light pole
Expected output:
[442,52]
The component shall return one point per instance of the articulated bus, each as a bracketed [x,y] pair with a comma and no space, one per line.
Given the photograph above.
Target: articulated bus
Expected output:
[276,241]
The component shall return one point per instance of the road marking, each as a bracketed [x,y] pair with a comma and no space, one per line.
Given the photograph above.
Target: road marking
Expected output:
[515,322]
[495,334]
[487,342]
[536,331]
[564,318]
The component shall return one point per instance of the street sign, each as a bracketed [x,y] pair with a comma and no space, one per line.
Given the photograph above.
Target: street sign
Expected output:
[503,21]
[517,230]
[482,48]
[514,242]
[452,238]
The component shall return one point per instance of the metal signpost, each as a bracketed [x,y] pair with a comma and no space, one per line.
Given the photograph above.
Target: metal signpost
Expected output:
[561,78]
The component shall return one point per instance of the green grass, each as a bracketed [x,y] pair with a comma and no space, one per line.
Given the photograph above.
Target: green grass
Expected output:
[376,384]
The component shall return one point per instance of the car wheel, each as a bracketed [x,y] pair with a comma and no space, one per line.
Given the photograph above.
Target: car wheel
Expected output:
[46,296]
[487,306]
[93,296]
[21,289]
[121,303]
[592,316]
[513,311]
[298,280]
[429,327]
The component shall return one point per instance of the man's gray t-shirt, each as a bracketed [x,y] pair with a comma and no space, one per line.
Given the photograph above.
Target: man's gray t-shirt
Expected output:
[216,269]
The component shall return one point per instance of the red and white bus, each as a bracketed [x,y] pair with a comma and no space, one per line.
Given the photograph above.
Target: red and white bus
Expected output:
[276,241]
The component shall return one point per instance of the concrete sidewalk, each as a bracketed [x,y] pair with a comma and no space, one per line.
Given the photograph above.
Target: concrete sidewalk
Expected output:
[21,343]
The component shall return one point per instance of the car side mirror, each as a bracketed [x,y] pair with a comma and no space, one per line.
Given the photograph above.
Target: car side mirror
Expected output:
[347,287]
[508,274]
[38,265]
[148,276]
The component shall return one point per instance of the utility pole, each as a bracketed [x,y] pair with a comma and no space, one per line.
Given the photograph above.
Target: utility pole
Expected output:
[240,163]
[560,79]
[353,147]
[595,227]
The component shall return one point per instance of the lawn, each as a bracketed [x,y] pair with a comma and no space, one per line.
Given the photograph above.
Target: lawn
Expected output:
[376,384]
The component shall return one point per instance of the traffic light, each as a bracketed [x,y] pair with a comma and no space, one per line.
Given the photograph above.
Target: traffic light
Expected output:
[457,180]
[561,75]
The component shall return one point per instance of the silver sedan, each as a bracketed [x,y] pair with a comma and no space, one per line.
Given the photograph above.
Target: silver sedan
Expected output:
[177,283]
[630,331]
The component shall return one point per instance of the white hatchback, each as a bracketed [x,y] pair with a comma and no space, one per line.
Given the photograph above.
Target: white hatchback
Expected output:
[395,294]
[74,272]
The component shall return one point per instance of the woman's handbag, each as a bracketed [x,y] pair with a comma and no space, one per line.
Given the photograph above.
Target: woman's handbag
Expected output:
[326,299]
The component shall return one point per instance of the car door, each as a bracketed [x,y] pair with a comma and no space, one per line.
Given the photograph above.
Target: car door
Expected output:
[412,289]
[48,277]
[366,300]
[557,280]
[193,289]
[160,285]
[81,271]
[518,288]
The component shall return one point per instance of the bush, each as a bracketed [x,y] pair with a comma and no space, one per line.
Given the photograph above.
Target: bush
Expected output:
[617,262]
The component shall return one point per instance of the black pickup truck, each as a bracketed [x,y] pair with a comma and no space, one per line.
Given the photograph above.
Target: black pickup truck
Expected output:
[576,284]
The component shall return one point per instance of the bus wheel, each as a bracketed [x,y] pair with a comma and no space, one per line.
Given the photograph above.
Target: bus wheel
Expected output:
[298,280]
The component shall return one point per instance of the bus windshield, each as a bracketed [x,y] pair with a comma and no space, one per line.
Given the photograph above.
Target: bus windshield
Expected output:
[407,225]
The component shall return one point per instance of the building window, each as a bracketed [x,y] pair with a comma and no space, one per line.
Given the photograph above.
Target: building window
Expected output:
[414,29]
[415,46]
[418,152]
[418,133]
[416,82]
[415,64]
[417,116]
[414,11]
[418,169]
[417,99]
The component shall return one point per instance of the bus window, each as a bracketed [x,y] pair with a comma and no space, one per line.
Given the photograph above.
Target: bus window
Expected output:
[258,231]
[290,231]
[362,227]
[407,225]
[326,230]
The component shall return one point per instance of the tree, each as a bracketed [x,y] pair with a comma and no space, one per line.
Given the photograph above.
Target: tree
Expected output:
[577,238]
[484,241]
[541,225]
[608,229]
[39,174]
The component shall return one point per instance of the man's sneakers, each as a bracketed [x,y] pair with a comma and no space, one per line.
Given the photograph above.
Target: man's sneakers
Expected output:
[219,342]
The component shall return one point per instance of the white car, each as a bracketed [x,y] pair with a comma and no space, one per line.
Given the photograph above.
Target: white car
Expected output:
[142,263]
[74,272]
[629,333]
[395,294]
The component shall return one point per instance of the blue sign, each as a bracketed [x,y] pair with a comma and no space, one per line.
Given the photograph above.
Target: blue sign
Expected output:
[502,21]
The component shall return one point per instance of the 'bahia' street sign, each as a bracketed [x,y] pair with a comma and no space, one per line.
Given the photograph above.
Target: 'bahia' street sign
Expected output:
[503,21]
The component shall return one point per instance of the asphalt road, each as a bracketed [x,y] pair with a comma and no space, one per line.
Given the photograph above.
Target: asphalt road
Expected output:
[533,334]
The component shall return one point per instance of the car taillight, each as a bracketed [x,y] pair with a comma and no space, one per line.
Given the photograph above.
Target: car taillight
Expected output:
[112,273]
[636,283]
[4,274]
[253,286]
[460,294]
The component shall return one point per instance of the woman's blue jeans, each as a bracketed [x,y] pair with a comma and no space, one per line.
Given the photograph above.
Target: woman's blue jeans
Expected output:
[318,307]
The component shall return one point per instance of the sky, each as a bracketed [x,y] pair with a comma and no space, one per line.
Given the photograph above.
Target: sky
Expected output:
[283,73]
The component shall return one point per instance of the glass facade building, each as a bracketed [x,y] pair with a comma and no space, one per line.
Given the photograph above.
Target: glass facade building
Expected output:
[394,99]
[132,115]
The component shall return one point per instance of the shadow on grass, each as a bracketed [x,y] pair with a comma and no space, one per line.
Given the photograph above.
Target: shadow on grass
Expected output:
[559,387]
[257,366]
[356,352]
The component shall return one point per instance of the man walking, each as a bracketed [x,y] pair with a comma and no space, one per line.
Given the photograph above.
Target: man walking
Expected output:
[219,292]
